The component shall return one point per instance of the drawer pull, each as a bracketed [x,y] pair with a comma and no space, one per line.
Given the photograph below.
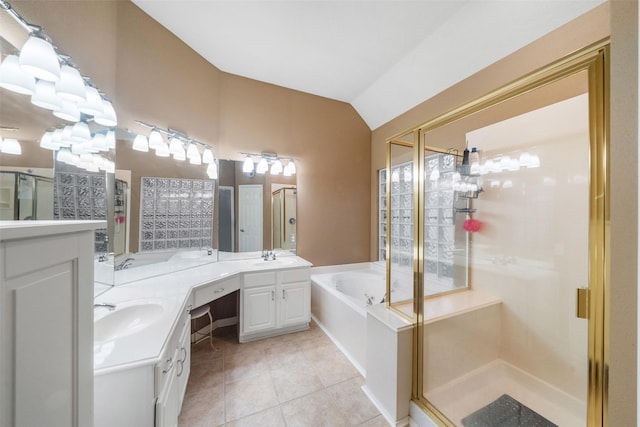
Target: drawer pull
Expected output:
[217,291]
[169,365]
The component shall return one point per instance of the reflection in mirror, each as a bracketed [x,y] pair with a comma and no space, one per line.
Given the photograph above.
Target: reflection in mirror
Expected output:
[284,218]
[55,156]
[245,213]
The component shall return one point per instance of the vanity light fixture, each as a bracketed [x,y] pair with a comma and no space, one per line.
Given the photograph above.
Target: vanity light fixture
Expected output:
[267,159]
[51,78]
[176,147]
[14,78]
[11,146]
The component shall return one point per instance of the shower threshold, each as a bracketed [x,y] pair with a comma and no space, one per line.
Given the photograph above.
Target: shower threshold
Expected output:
[465,395]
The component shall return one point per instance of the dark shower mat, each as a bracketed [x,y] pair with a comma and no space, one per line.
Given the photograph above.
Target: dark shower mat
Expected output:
[506,412]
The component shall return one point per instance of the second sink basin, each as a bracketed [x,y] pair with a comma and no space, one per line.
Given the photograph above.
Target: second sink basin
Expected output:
[128,318]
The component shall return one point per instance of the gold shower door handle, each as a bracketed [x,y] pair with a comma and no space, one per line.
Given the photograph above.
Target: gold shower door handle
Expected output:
[582,303]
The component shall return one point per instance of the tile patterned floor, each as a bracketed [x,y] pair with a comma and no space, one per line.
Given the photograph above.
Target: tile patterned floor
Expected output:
[295,380]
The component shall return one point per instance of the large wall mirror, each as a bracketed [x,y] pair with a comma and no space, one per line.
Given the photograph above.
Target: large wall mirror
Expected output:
[248,212]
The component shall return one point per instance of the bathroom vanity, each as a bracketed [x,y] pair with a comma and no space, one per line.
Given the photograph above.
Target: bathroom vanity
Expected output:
[46,326]
[143,371]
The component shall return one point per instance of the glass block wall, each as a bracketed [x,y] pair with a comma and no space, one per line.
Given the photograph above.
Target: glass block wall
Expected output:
[176,213]
[82,196]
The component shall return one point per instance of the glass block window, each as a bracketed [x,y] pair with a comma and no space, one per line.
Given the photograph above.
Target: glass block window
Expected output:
[82,196]
[175,213]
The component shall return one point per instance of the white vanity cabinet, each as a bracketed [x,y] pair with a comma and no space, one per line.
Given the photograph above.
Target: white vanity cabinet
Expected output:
[172,373]
[46,323]
[274,302]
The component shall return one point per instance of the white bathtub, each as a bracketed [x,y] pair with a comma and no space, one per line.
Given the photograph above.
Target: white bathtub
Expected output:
[339,300]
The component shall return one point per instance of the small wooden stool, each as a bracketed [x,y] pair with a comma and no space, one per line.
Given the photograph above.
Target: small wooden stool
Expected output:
[196,313]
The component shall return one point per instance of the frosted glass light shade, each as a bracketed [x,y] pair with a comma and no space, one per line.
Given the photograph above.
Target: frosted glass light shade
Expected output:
[212,171]
[64,156]
[162,150]
[262,166]
[140,143]
[111,140]
[39,59]
[108,116]
[45,96]
[93,105]
[99,142]
[155,140]
[179,155]
[48,142]
[80,132]
[276,167]
[290,169]
[194,154]
[247,165]
[71,86]
[14,78]
[175,146]
[68,112]
[11,146]
[207,156]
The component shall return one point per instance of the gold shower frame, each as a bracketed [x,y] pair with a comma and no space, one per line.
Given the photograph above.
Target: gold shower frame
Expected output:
[593,59]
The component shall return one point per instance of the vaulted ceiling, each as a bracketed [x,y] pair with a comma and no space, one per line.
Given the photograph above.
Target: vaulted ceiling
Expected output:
[382,57]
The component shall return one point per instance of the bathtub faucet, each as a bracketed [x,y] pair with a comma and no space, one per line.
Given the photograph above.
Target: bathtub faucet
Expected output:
[369,299]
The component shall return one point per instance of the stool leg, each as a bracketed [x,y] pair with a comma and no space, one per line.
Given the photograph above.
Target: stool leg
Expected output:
[211,330]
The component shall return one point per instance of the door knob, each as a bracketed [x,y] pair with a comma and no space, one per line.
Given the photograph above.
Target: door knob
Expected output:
[242,230]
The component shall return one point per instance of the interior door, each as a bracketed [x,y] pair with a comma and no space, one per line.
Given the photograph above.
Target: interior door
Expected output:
[250,218]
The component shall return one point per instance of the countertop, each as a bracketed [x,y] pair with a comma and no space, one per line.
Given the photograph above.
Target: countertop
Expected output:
[171,291]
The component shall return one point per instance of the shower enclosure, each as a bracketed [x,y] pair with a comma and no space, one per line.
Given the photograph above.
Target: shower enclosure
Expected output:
[25,196]
[499,256]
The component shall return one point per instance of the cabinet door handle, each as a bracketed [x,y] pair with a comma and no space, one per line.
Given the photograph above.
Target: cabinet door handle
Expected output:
[181,364]
[217,291]
[169,365]
[184,354]
[283,297]
[273,295]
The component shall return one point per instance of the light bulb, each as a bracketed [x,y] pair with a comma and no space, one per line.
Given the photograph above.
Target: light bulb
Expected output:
[11,146]
[262,166]
[155,140]
[247,165]
[207,156]
[140,143]
[276,167]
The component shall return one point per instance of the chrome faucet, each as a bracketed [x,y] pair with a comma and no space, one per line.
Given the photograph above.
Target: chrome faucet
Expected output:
[268,255]
[106,305]
[124,264]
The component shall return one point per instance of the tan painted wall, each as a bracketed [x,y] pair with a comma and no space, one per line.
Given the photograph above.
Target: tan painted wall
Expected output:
[152,76]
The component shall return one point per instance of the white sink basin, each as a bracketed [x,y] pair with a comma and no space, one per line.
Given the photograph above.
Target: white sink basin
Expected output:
[128,318]
[274,263]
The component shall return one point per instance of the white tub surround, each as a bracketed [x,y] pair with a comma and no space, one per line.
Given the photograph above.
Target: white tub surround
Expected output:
[389,353]
[143,368]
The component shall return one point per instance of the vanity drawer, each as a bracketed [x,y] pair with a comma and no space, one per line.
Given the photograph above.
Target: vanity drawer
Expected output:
[259,279]
[298,275]
[206,293]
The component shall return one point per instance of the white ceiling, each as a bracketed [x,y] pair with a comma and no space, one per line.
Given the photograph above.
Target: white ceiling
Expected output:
[383,57]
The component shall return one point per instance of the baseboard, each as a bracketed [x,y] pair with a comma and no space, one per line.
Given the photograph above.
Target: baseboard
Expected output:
[399,423]
[344,351]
